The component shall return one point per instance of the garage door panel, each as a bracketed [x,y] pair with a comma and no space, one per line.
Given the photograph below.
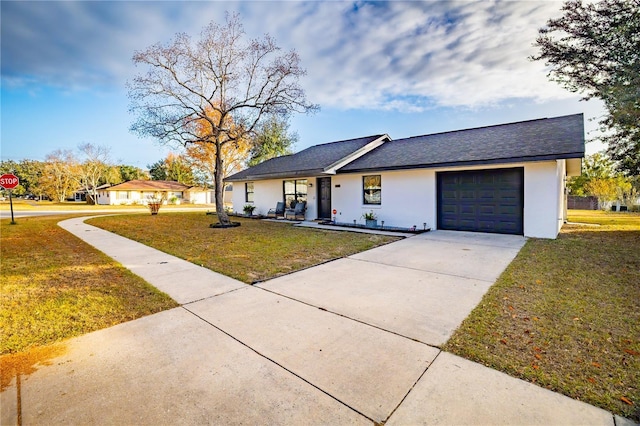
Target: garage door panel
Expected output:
[466,195]
[486,194]
[488,210]
[467,209]
[482,200]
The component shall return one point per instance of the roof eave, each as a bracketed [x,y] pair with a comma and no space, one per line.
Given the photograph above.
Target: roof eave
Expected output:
[523,159]
[279,175]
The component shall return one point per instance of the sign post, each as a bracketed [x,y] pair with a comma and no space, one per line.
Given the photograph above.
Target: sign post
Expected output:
[9,181]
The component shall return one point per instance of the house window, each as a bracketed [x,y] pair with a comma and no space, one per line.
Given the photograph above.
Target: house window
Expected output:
[372,189]
[248,192]
[123,195]
[294,190]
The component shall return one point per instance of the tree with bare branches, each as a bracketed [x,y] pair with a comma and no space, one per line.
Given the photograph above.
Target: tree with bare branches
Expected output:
[93,170]
[240,79]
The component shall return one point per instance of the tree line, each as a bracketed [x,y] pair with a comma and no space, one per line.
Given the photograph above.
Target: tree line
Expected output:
[64,172]
[601,179]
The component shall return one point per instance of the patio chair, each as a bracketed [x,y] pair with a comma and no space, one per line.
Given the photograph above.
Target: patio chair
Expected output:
[278,212]
[298,212]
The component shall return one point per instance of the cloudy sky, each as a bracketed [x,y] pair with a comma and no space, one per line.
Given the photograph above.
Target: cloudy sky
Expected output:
[402,68]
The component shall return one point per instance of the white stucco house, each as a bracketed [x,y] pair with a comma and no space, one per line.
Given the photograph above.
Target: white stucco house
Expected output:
[507,178]
[138,192]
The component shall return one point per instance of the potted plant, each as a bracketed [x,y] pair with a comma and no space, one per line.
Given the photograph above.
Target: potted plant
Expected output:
[371,220]
[154,202]
[248,209]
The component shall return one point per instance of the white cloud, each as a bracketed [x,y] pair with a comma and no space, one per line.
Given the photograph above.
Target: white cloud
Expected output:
[388,55]
[454,54]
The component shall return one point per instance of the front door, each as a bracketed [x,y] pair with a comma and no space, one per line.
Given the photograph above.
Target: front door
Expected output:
[324,198]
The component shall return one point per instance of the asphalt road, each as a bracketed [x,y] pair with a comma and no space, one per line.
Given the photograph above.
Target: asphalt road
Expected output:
[6,214]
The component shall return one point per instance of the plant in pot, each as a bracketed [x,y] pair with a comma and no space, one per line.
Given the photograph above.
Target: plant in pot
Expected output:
[248,209]
[371,220]
[155,201]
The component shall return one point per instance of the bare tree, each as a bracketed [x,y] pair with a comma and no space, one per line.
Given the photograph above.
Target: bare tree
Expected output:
[241,80]
[94,169]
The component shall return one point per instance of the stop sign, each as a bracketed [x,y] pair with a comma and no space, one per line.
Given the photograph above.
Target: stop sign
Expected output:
[9,181]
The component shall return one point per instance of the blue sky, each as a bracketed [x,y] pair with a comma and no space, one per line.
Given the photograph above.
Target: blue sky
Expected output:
[402,68]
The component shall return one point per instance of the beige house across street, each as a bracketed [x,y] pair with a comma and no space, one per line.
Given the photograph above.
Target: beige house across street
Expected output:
[140,191]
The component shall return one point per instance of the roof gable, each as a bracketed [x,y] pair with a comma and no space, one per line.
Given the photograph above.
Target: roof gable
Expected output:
[534,140]
[315,160]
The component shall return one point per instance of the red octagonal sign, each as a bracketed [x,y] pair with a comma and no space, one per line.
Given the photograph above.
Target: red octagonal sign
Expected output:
[9,181]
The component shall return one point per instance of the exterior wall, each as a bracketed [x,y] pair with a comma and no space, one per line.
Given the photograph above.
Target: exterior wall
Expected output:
[561,176]
[409,197]
[118,198]
[543,199]
[125,197]
[104,198]
[268,192]
[199,197]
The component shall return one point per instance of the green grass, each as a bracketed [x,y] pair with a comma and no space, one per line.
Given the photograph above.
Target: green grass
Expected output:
[256,251]
[54,286]
[566,314]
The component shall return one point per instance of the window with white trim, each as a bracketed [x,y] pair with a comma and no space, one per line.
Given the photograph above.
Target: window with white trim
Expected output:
[248,192]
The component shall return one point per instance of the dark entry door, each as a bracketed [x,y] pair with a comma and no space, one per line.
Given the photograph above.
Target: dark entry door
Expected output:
[482,200]
[324,198]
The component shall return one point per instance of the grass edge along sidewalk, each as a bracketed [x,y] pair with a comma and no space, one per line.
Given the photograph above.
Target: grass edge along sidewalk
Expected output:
[255,251]
[54,286]
[565,314]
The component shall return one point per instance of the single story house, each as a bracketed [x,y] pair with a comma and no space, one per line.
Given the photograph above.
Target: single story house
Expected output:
[139,191]
[507,178]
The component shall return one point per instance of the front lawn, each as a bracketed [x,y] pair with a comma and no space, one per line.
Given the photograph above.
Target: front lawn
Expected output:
[256,251]
[566,314]
[54,286]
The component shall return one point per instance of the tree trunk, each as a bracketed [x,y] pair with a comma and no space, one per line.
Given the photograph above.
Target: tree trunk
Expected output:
[223,218]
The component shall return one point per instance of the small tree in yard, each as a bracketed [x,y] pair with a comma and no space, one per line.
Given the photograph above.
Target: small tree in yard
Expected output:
[242,81]
[155,201]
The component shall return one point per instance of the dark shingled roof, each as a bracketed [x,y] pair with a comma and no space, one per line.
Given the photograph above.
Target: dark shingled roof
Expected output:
[309,162]
[535,140]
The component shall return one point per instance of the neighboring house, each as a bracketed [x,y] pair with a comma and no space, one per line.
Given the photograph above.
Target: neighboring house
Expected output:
[78,196]
[139,191]
[83,195]
[508,178]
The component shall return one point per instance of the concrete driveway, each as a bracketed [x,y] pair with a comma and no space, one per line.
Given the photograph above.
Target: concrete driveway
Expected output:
[349,342]
[420,287]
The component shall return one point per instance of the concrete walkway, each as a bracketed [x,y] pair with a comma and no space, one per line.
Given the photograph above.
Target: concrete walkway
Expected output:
[353,341]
